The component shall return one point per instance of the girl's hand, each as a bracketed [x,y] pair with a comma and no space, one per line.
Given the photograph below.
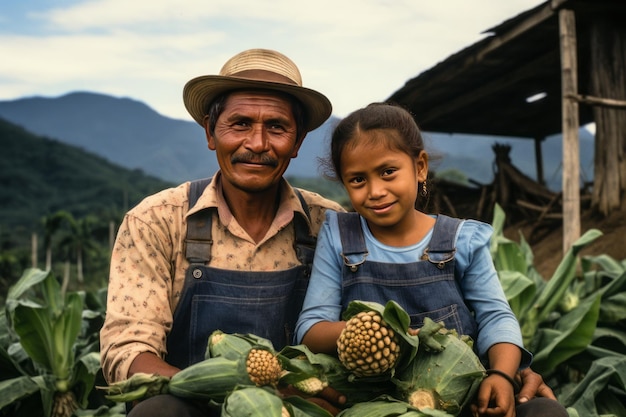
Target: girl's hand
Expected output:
[495,398]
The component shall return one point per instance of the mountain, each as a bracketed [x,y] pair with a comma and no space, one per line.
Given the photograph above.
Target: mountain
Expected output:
[40,176]
[129,133]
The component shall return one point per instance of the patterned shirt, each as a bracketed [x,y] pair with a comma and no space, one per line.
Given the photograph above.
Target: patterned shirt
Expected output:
[148,264]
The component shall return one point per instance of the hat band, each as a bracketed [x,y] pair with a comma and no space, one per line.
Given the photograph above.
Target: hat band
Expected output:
[263,75]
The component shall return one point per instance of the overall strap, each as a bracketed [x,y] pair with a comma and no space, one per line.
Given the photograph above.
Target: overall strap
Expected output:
[199,238]
[352,238]
[304,244]
[441,248]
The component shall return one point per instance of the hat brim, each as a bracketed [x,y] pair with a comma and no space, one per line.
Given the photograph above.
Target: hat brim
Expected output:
[201,91]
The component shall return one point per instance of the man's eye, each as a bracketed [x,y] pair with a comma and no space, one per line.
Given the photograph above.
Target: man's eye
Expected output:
[276,127]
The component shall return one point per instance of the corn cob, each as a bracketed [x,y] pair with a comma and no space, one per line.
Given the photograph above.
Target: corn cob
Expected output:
[302,364]
[210,379]
[368,346]
[312,385]
[263,367]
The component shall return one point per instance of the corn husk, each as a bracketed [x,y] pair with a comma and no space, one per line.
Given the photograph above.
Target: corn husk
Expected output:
[233,345]
[386,406]
[446,369]
[301,364]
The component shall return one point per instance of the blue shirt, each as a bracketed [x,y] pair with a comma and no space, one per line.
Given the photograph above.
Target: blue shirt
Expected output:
[474,272]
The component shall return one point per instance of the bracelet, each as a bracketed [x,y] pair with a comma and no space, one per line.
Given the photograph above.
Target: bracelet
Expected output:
[513,382]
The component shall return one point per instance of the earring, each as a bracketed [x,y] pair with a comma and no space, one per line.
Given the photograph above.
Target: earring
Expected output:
[424,191]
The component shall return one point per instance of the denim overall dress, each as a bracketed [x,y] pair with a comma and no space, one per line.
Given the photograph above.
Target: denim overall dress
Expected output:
[266,304]
[425,288]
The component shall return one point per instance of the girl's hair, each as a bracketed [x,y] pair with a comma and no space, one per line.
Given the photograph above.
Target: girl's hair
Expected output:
[376,116]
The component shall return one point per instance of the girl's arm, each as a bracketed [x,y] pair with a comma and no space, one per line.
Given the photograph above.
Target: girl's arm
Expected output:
[322,303]
[496,395]
[322,337]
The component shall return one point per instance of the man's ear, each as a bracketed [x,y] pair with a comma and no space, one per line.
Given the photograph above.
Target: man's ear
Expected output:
[296,147]
[209,137]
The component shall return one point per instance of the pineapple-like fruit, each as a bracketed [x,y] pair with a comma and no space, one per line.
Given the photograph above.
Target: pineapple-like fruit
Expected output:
[263,367]
[368,346]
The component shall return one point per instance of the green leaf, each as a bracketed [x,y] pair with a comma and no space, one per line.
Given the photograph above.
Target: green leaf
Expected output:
[48,334]
[300,407]
[34,328]
[519,290]
[252,401]
[572,334]
[565,273]
[603,372]
[84,376]
[612,309]
[29,279]
[14,389]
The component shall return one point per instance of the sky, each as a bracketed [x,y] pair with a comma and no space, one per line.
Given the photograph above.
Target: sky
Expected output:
[353,51]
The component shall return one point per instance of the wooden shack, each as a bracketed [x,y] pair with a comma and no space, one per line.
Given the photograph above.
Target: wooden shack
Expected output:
[546,71]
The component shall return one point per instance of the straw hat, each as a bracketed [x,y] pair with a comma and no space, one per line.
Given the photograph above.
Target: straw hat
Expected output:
[256,69]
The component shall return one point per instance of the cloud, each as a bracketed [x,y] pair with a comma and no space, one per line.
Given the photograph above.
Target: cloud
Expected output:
[355,51]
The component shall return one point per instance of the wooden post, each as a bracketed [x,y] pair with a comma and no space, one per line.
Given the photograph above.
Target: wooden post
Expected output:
[571,147]
[539,161]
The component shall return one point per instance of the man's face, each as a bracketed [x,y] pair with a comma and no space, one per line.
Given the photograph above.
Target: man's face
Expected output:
[254,140]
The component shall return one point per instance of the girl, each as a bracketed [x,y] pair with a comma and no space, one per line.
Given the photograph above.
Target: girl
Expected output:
[433,266]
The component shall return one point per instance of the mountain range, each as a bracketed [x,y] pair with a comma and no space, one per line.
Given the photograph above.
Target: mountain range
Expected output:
[129,133]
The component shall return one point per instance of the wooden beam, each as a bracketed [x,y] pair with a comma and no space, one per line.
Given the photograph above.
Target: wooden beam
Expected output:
[598,101]
[495,42]
[570,123]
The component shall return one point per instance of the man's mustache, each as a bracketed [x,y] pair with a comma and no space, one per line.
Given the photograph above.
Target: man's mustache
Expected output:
[253,158]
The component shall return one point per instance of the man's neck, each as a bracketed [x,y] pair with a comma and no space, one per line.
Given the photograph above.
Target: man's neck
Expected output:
[254,212]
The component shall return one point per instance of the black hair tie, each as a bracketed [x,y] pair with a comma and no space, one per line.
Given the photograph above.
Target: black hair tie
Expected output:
[513,382]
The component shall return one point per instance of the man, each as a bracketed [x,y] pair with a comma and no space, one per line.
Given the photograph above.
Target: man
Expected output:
[232,254]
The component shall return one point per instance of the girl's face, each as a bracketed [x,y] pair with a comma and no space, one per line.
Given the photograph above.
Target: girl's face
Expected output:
[382,181]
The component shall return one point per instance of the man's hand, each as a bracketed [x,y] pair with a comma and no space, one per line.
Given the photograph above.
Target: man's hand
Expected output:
[533,386]
[329,398]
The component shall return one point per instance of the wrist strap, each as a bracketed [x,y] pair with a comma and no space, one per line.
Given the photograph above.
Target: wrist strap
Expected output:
[513,382]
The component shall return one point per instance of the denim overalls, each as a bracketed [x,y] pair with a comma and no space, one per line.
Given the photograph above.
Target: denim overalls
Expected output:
[266,304]
[425,288]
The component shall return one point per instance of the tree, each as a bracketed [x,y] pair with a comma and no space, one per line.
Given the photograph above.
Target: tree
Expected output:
[51,225]
[79,241]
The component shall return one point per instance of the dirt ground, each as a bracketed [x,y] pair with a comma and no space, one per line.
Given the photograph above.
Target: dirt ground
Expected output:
[548,251]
